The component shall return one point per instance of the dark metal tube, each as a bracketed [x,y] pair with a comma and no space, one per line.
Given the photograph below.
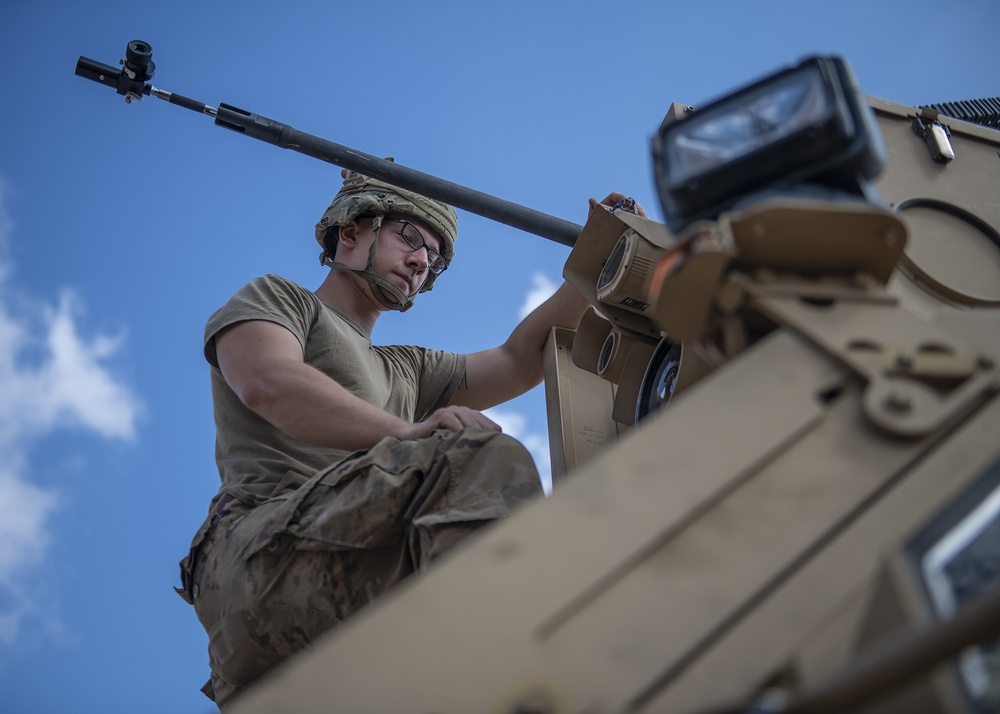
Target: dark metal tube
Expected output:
[890,664]
[97,72]
[901,660]
[477,202]
[188,103]
[482,204]
[274,132]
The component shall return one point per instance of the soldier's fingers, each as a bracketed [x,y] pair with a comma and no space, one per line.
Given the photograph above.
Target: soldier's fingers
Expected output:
[613,198]
[484,422]
[450,421]
[473,419]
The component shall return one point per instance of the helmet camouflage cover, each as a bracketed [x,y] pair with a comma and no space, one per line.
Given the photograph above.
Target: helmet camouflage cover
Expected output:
[361,195]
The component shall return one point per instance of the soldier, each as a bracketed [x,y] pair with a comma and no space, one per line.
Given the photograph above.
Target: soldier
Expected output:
[347,466]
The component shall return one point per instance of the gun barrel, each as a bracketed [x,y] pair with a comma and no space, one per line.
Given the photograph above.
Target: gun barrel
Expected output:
[274,132]
[482,204]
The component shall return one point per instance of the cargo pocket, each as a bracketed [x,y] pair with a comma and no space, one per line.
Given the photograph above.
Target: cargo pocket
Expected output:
[187,590]
[358,510]
[484,507]
[272,520]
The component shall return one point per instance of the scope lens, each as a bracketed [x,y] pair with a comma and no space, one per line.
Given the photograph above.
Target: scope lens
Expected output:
[138,52]
[139,65]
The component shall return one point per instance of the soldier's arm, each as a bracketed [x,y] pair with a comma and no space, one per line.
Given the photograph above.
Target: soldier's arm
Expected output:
[262,363]
[496,375]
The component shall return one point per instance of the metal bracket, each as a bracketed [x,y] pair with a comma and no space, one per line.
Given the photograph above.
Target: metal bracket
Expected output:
[921,376]
[938,138]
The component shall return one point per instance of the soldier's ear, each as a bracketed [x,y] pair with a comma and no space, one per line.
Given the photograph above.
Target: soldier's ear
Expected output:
[348,234]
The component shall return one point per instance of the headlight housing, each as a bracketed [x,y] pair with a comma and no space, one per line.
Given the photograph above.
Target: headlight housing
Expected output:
[806,124]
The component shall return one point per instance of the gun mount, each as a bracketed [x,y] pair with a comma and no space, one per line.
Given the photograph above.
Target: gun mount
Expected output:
[813,522]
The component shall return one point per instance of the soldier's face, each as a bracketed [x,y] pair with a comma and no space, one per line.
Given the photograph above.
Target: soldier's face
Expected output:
[396,259]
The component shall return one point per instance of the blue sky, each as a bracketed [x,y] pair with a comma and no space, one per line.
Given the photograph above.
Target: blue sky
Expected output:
[123,227]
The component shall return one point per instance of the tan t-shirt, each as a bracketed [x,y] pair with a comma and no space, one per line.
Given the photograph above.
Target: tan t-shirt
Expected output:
[406,381]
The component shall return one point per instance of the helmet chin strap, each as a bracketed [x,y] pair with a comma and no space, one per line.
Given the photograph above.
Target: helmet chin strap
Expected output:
[384,291]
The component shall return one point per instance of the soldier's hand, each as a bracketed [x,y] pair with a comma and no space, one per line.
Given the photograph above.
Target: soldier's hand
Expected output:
[614,198]
[453,418]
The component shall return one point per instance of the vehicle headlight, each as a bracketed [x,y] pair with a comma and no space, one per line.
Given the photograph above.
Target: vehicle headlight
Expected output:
[806,123]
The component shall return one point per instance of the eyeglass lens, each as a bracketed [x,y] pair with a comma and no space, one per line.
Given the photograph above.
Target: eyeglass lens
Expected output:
[412,236]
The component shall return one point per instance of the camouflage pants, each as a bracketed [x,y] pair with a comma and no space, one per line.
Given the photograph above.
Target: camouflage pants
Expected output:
[267,581]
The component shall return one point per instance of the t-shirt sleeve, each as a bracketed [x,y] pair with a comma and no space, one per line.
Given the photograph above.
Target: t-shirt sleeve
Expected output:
[434,374]
[443,373]
[269,298]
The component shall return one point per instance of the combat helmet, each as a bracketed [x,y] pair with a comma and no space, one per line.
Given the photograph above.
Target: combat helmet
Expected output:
[364,195]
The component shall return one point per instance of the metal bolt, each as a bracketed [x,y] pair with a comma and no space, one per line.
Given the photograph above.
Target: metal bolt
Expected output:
[904,361]
[898,402]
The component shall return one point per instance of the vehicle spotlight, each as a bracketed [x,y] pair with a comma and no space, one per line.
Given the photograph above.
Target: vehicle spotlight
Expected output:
[612,264]
[624,279]
[808,125]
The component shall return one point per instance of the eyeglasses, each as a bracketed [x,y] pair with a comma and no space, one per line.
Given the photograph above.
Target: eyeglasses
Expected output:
[412,236]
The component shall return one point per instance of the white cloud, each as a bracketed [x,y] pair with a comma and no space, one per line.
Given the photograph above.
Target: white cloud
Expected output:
[513,422]
[51,377]
[75,387]
[24,511]
[542,288]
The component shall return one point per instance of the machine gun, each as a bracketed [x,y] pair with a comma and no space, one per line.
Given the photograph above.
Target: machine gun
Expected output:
[132,81]
[777,436]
